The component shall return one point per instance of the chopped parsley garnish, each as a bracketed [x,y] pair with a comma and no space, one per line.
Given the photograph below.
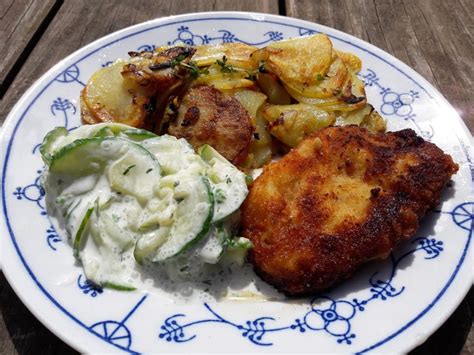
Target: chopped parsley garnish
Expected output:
[115,218]
[237,242]
[126,171]
[60,200]
[248,179]
[174,62]
[320,77]
[225,68]
[228,180]
[149,170]
[219,195]
[176,183]
[194,69]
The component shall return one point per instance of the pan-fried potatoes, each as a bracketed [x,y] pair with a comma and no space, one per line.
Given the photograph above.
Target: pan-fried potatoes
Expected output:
[109,98]
[237,54]
[291,123]
[260,149]
[289,89]
[299,60]
[224,81]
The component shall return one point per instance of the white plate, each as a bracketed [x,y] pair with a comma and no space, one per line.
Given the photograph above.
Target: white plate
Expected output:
[389,306]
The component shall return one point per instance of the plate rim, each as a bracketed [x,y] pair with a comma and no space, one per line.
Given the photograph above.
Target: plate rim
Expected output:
[94,46]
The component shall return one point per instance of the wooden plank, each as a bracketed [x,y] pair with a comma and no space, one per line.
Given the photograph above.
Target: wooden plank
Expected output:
[80,22]
[19,21]
[446,42]
[76,24]
[433,37]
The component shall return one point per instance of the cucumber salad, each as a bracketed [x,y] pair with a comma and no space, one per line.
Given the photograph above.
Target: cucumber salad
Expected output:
[122,193]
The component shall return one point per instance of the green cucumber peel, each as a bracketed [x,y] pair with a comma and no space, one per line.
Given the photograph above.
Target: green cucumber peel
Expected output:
[78,239]
[117,287]
[51,136]
[65,160]
[207,222]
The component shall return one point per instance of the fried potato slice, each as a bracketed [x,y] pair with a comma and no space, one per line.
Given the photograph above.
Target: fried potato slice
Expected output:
[292,123]
[328,85]
[237,55]
[260,150]
[86,115]
[352,96]
[352,61]
[300,60]
[341,198]
[224,80]
[206,116]
[277,95]
[107,97]
[158,71]
[365,117]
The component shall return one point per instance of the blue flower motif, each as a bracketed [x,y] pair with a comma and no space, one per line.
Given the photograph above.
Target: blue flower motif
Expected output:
[331,316]
[431,246]
[275,35]
[33,192]
[63,105]
[398,104]
[188,37]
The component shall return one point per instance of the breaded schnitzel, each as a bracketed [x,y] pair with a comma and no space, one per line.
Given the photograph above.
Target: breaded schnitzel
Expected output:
[342,197]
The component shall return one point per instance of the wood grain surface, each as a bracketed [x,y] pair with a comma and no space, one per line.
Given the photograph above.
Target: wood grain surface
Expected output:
[435,37]
[20,22]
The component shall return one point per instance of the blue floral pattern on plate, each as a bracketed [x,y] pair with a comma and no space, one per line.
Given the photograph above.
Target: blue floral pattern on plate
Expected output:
[334,318]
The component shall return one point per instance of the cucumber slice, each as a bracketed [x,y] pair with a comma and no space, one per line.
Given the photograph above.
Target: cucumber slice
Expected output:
[104,132]
[213,247]
[149,243]
[78,239]
[174,155]
[138,134]
[90,155]
[136,173]
[118,236]
[85,156]
[228,183]
[117,287]
[124,131]
[192,220]
[104,267]
[47,147]
[60,137]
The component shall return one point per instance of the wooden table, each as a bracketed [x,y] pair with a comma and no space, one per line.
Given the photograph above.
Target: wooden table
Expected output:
[435,37]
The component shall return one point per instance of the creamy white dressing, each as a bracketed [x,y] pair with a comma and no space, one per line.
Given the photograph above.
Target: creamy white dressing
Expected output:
[147,204]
